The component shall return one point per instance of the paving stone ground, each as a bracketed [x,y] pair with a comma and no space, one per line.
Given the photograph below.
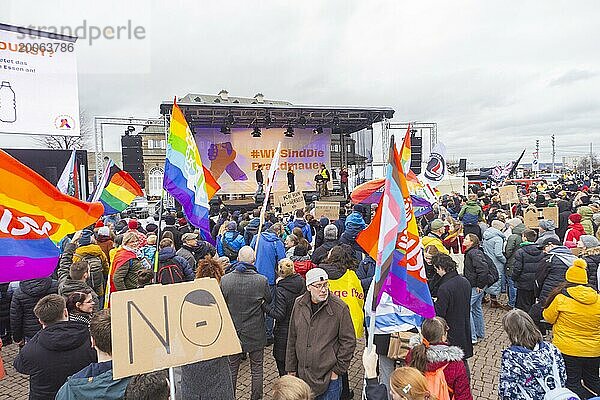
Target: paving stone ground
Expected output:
[485,366]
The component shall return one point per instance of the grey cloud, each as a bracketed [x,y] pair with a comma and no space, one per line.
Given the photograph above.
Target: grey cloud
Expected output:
[572,76]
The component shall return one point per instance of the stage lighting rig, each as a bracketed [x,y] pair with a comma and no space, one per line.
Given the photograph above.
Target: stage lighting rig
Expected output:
[229,119]
[268,120]
[302,120]
[256,132]
[289,132]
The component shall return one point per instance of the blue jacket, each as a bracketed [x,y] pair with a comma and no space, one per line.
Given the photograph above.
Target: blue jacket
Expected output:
[233,239]
[169,253]
[270,251]
[493,246]
[302,224]
[251,229]
[93,382]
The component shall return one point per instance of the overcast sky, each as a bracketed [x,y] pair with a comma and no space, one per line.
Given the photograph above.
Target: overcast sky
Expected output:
[495,76]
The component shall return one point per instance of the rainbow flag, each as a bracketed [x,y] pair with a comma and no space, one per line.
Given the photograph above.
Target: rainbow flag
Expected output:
[184,173]
[116,190]
[35,216]
[392,239]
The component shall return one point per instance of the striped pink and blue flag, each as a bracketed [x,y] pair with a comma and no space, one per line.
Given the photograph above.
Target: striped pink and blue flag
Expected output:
[392,239]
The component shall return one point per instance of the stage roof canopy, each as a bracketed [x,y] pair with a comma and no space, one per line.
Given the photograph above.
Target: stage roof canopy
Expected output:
[237,112]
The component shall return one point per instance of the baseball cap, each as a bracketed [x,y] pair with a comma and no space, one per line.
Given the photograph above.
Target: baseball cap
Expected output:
[189,236]
[316,275]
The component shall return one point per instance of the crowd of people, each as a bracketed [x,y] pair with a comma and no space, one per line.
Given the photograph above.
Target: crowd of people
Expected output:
[299,283]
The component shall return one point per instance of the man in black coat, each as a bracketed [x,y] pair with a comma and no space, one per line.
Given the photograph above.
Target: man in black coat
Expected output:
[330,236]
[525,265]
[59,350]
[23,322]
[454,304]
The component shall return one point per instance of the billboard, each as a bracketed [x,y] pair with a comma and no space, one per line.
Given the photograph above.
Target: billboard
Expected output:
[38,83]
[234,158]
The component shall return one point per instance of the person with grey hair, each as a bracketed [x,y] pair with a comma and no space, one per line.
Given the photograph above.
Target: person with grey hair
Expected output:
[330,234]
[493,247]
[528,359]
[547,229]
[246,292]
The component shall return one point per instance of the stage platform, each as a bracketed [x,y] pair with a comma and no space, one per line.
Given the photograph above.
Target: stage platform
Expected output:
[248,203]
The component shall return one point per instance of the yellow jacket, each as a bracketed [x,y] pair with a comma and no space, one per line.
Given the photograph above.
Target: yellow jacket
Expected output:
[576,322]
[434,241]
[349,289]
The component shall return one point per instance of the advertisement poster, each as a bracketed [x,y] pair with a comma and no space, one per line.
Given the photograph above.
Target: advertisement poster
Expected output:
[38,83]
[233,159]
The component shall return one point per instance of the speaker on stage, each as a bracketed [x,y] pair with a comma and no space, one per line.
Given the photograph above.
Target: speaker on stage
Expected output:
[462,165]
[416,156]
[133,158]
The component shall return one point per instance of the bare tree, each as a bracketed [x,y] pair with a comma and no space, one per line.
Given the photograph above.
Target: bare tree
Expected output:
[83,142]
[584,163]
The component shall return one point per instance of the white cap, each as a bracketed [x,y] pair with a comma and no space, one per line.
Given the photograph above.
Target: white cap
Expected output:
[103,231]
[316,275]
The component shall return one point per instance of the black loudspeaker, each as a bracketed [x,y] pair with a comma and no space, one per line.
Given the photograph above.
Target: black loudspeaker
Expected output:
[133,158]
[259,198]
[462,165]
[416,156]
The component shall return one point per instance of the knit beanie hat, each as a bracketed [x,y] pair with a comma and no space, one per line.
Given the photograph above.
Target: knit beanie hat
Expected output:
[547,225]
[513,222]
[498,224]
[133,224]
[330,232]
[589,241]
[575,218]
[99,224]
[577,273]
[86,237]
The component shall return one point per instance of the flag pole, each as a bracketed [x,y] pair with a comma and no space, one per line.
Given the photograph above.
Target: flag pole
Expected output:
[271,179]
[161,208]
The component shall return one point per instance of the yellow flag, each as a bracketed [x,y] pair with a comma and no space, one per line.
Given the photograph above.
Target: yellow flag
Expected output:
[349,289]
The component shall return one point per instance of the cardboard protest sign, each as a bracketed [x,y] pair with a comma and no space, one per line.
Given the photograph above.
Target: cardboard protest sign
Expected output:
[533,215]
[508,194]
[277,198]
[327,209]
[163,326]
[290,202]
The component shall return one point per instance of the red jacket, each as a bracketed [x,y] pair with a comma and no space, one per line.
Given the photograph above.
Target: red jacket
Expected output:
[573,234]
[455,373]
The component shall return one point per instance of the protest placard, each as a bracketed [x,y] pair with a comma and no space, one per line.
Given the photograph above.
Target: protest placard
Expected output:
[508,194]
[290,202]
[163,326]
[327,209]
[533,215]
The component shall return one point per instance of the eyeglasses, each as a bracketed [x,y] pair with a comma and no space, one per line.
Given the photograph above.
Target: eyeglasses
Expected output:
[320,286]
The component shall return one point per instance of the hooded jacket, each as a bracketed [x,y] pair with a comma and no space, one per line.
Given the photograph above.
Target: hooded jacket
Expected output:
[233,240]
[552,270]
[471,207]
[586,219]
[575,316]
[302,224]
[512,245]
[493,244]
[124,270]
[54,353]
[354,223]
[23,322]
[521,367]
[525,265]
[434,240]
[270,251]
[93,382]
[286,292]
[97,263]
[440,355]
[573,234]
[69,286]
[167,256]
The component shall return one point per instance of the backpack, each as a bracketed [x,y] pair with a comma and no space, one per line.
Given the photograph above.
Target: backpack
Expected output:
[558,393]
[169,272]
[302,267]
[229,251]
[437,385]
[470,219]
[492,273]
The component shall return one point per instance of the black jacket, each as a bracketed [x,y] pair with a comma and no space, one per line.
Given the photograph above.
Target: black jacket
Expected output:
[321,252]
[4,308]
[593,261]
[454,305]
[53,354]
[551,271]
[286,292]
[476,268]
[23,321]
[365,272]
[526,263]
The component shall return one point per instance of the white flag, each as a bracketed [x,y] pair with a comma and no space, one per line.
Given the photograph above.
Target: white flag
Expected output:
[436,170]
[66,183]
